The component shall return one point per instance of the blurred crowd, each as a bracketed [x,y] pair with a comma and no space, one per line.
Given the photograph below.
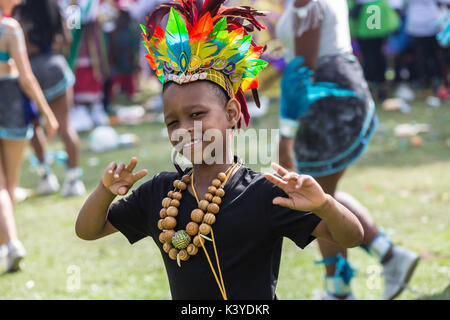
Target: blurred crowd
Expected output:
[398,47]
[81,55]
[403,49]
[395,41]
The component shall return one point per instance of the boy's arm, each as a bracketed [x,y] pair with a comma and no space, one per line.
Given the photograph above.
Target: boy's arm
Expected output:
[338,224]
[92,220]
[305,194]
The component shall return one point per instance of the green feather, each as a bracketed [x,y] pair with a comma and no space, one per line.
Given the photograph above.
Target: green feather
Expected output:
[143,28]
[220,25]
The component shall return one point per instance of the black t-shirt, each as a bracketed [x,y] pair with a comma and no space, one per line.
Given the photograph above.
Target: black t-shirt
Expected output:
[248,233]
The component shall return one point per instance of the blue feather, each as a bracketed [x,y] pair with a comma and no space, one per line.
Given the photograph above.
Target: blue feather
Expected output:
[177,39]
[298,92]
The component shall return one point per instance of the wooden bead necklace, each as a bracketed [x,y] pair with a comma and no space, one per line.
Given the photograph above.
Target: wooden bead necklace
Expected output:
[177,244]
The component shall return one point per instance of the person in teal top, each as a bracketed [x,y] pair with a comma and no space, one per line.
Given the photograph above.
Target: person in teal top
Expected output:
[15,76]
[4,56]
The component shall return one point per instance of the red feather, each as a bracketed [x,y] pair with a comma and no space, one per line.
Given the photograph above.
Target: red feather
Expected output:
[245,13]
[212,6]
[151,62]
[244,109]
[256,97]
[202,28]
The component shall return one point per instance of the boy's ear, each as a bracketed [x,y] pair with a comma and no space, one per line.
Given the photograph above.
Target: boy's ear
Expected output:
[233,112]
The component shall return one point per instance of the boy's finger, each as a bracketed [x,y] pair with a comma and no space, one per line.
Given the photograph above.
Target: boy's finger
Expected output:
[284,202]
[140,174]
[299,182]
[275,180]
[279,169]
[291,176]
[119,170]
[110,168]
[130,167]
[122,190]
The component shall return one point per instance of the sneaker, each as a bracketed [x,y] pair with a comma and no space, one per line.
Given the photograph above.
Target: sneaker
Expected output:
[74,188]
[3,253]
[21,194]
[98,115]
[398,270]
[14,259]
[48,184]
[80,119]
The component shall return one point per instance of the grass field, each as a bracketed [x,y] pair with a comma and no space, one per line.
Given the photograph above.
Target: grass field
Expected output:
[406,188]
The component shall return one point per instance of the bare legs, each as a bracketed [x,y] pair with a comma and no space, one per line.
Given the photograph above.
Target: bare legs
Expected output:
[39,142]
[329,249]
[60,107]
[11,153]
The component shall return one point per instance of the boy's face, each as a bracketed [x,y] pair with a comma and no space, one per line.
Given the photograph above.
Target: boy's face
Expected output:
[196,116]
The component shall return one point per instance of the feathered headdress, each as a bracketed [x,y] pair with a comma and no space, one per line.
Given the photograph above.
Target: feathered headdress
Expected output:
[204,40]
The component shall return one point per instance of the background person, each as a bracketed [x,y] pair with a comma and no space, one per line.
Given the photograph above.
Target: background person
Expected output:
[15,74]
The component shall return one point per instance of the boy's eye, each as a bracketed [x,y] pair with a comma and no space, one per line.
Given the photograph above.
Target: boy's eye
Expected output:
[172,123]
[196,114]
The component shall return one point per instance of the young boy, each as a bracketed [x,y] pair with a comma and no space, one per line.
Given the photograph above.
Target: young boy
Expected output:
[246,214]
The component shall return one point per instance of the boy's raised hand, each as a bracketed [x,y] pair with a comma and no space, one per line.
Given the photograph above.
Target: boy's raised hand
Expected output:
[305,194]
[119,179]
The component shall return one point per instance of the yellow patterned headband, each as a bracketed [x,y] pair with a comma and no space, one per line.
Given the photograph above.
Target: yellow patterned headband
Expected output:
[212,75]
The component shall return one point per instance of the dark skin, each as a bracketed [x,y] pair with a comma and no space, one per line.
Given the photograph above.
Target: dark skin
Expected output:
[182,106]
[307,46]
[199,102]
[208,108]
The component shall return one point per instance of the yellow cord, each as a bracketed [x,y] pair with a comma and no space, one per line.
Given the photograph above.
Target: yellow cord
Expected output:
[218,265]
[222,289]
[220,284]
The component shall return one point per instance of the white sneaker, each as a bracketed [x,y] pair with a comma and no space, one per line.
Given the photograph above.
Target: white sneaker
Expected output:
[3,253]
[48,184]
[74,188]
[398,270]
[98,115]
[16,253]
[80,119]
[21,194]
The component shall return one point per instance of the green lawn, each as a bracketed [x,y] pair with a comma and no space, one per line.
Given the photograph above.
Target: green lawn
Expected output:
[406,188]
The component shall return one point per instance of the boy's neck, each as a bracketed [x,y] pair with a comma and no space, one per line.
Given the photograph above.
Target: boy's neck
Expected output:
[205,173]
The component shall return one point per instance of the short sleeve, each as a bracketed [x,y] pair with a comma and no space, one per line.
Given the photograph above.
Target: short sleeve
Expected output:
[16,41]
[307,17]
[128,216]
[293,224]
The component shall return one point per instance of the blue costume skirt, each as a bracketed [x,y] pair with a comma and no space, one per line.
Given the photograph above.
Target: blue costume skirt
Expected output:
[14,124]
[335,131]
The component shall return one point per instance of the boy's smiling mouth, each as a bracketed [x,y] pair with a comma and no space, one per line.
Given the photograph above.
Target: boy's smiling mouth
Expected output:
[192,144]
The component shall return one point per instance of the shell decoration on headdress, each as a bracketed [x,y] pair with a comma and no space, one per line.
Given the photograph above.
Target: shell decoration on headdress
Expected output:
[204,40]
